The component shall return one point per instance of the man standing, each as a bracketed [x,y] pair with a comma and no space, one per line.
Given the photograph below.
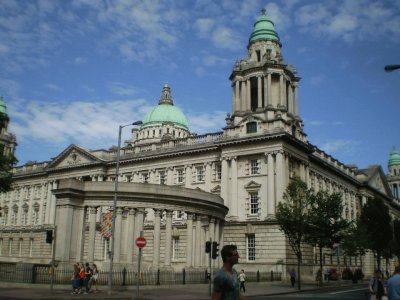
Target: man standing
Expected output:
[393,285]
[226,283]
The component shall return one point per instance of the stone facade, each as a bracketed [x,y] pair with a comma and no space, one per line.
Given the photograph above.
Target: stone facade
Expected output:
[181,189]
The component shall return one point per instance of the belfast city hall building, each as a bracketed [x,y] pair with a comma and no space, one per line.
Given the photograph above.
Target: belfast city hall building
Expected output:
[181,189]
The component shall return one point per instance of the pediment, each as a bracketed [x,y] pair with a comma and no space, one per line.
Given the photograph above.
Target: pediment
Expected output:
[377,181]
[216,189]
[252,185]
[73,156]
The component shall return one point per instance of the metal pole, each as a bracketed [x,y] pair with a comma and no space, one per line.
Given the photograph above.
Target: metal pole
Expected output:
[138,268]
[115,202]
[209,264]
[53,256]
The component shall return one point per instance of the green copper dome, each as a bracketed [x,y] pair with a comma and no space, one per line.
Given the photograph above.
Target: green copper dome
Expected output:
[165,111]
[264,29]
[394,158]
[3,107]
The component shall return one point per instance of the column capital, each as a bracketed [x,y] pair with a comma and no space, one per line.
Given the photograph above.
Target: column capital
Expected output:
[169,213]
[132,211]
[191,216]
[157,212]
[92,209]
[120,210]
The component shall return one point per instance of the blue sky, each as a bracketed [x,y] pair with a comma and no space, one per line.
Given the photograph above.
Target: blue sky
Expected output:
[72,71]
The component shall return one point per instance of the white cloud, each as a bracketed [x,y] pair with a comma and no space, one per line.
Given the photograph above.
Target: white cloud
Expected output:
[206,122]
[80,60]
[52,87]
[204,26]
[317,80]
[315,123]
[121,89]
[224,37]
[338,147]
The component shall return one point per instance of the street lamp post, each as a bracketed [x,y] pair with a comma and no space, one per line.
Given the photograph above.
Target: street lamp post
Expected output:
[115,201]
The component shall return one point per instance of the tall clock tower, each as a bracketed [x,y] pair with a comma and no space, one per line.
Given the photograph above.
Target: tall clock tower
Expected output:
[264,87]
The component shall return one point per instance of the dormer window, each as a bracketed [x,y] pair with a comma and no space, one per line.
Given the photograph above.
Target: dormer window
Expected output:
[251,127]
[258,55]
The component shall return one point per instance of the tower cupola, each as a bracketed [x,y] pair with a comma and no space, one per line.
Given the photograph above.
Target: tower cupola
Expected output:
[264,87]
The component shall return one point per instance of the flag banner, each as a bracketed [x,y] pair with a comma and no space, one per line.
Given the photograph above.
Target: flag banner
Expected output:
[106,224]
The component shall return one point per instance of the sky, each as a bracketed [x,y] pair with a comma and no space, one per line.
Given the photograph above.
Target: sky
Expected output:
[72,71]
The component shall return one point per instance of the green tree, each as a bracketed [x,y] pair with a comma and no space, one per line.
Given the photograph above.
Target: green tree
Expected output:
[354,241]
[396,238]
[7,162]
[376,219]
[326,224]
[292,217]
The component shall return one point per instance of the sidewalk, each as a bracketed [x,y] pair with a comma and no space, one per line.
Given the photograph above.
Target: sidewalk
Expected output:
[175,292]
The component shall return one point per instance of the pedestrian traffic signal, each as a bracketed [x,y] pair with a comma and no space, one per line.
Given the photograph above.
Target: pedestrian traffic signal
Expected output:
[49,236]
[208,247]
[215,250]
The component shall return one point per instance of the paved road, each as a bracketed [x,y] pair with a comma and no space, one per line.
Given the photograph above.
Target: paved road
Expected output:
[348,293]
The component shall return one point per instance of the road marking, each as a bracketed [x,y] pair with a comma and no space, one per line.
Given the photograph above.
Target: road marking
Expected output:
[347,291]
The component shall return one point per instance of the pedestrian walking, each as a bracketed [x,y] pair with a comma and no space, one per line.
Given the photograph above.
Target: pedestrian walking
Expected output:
[292,275]
[75,279]
[376,286]
[226,282]
[88,275]
[242,280]
[393,285]
[93,279]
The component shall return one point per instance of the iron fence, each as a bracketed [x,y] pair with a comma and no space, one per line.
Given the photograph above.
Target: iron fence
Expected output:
[41,274]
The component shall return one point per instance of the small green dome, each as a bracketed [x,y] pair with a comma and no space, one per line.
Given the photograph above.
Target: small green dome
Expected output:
[394,158]
[3,107]
[165,111]
[264,29]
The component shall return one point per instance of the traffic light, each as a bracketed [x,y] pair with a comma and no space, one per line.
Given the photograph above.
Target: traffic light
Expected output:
[208,247]
[215,250]
[49,236]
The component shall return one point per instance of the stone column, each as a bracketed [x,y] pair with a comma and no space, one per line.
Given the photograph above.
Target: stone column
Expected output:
[269,94]
[211,228]
[237,97]
[233,96]
[259,88]
[156,238]
[207,178]
[188,177]
[248,95]
[42,207]
[168,238]
[224,181]
[92,232]
[234,188]
[131,235]
[189,241]
[265,83]
[198,248]
[279,176]
[64,232]
[296,102]
[290,108]
[281,93]
[170,176]
[270,186]
[53,204]
[117,236]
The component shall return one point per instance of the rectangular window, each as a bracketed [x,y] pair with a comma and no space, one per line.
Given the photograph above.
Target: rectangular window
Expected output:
[175,248]
[162,177]
[24,220]
[5,218]
[30,247]
[218,171]
[20,247]
[254,166]
[35,216]
[179,178]
[253,203]
[145,177]
[251,247]
[14,217]
[10,241]
[199,174]
[251,127]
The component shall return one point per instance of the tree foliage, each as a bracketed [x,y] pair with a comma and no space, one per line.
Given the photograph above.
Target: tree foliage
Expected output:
[354,240]
[326,224]
[376,219]
[292,216]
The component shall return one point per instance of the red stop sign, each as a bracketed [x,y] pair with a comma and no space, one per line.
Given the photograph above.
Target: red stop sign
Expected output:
[141,242]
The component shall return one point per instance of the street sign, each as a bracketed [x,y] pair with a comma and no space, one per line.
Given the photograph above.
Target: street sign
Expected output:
[141,242]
